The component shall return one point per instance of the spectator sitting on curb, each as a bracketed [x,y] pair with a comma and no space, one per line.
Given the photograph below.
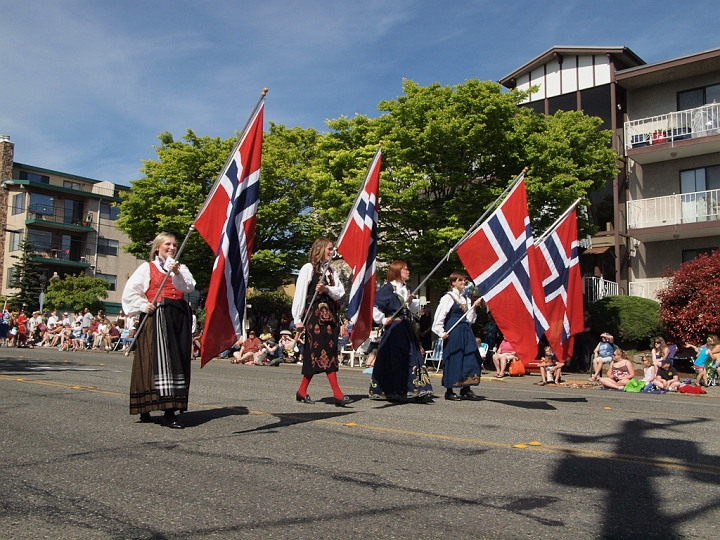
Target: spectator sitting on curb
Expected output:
[667,377]
[603,354]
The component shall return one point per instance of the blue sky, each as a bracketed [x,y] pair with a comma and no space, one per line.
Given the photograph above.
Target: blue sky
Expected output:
[88,85]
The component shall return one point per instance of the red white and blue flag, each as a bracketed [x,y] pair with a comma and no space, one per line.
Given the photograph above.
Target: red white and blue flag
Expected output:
[557,285]
[358,246]
[497,258]
[227,223]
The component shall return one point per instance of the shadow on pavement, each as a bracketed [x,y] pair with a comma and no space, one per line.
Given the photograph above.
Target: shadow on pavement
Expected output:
[291,419]
[629,476]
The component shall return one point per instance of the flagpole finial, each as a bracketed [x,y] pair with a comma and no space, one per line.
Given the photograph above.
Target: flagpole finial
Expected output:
[525,170]
[264,92]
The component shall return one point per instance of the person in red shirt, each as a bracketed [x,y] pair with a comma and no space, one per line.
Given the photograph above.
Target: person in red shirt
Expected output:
[249,350]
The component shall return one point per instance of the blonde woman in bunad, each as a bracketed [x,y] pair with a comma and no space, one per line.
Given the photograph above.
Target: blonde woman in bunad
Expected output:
[461,360]
[160,379]
[317,283]
[399,372]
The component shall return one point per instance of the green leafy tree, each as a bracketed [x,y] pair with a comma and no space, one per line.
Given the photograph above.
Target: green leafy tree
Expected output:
[448,152]
[568,156]
[27,279]
[77,292]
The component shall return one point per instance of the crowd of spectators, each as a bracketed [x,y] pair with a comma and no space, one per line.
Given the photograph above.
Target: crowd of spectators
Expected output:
[76,332]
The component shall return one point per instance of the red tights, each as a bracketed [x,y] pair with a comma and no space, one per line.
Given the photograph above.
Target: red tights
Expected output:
[332,379]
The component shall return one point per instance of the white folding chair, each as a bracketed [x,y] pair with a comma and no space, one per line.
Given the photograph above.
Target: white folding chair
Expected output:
[435,355]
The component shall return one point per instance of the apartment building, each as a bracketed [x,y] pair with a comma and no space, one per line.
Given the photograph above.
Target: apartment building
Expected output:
[661,210]
[672,145]
[70,221]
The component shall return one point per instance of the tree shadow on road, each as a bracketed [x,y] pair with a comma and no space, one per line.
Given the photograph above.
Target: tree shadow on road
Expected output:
[630,475]
[292,419]
[16,365]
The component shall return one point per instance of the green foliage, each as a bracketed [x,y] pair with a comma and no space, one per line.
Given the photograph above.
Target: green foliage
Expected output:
[631,319]
[74,293]
[285,224]
[688,307]
[568,157]
[27,280]
[267,302]
[448,152]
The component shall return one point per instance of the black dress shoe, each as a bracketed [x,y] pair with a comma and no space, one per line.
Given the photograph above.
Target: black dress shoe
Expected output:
[172,422]
[467,393]
[452,396]
[145,417]
[342,402]
[301,399]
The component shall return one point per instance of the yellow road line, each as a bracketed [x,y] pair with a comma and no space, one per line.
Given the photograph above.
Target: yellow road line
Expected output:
[531,446]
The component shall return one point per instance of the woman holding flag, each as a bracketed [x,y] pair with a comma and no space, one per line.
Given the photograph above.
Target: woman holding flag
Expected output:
[398,372]
[160,378]
[314,309]
[461,358]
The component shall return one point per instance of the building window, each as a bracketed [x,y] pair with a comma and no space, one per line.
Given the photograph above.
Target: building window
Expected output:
[690,254]
[33,177]
[111,279]
[690,99]
[73,212]
[41,241]
[12,276]
[704,179]
[42,204]
[109,211]
[18,204]
[107,247]
[72,185]
[16,239]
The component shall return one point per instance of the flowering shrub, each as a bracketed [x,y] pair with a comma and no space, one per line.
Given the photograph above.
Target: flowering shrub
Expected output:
[689,306]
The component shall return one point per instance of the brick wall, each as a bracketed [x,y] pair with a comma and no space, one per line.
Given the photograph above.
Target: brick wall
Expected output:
[7,149]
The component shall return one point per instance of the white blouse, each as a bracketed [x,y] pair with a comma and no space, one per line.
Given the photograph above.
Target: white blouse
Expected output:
[336,292]
[444,307]
[134,297]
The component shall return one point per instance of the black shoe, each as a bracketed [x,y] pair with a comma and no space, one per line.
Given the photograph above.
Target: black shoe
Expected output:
[301,399]
[145,417]
[172,422]
[452,396]
[342,402]
[467,393]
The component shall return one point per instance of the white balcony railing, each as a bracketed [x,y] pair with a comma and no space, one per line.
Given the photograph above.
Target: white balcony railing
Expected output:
[668,128]
[598,288]
[647,288]
[674,209]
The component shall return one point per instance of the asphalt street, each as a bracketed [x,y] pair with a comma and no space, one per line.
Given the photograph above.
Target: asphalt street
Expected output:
[521,461]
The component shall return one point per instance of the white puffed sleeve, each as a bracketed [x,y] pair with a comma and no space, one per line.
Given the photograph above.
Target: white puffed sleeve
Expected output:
[446,303]
[134,297]
[301,285]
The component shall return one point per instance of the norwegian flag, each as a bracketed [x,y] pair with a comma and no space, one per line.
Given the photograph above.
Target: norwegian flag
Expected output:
[227,223]
[557,285]
[358,246]
[497,258]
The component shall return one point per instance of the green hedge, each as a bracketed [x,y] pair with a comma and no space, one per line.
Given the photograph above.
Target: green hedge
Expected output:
[631,319]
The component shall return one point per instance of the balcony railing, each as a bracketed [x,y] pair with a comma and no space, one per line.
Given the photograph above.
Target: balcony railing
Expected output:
[598,288]
[668,128]
[674,209]
[647,288]
[75,251]
[58,215]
